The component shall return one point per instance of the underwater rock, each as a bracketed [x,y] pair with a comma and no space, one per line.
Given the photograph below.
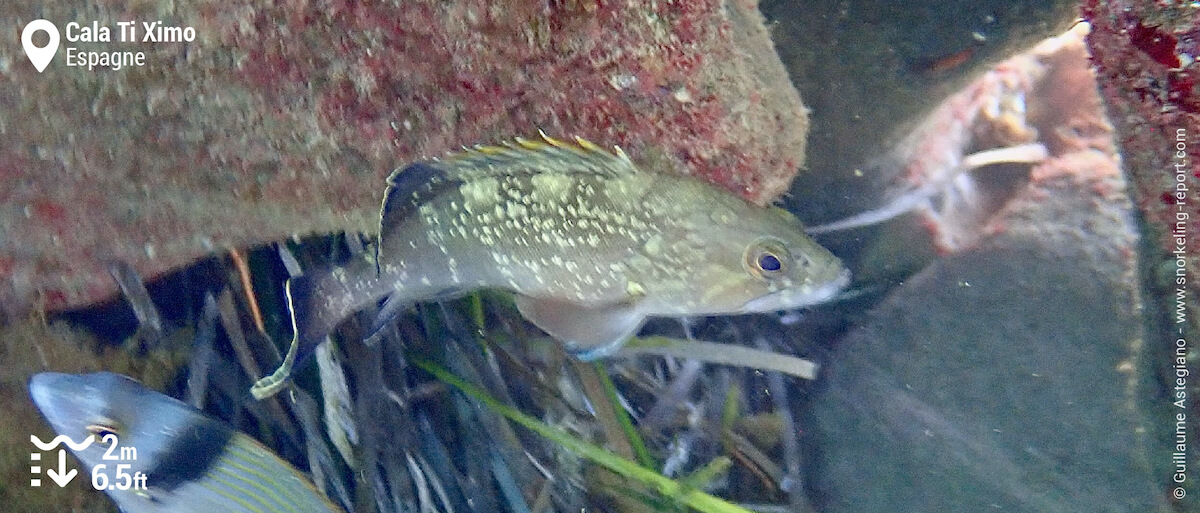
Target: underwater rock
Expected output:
[1145,56]
[970,155]
[283,119]
[872,70]
[1009,376]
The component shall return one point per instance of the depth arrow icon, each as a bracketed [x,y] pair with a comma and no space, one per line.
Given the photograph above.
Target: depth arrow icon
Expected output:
[62,477]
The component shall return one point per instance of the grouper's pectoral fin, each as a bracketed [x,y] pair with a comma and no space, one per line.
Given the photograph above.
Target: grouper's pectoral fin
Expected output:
[589,332]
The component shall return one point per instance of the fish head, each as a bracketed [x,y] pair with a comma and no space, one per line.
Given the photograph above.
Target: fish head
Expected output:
[184,460]
[82,407]
[100,404]
[760,260]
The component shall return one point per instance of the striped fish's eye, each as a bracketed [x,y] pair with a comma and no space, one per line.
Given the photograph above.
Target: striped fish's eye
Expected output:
[767,259]
[102,430]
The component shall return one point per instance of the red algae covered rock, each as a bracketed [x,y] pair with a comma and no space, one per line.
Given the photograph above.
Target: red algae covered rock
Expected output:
[283,119]
[1145,55]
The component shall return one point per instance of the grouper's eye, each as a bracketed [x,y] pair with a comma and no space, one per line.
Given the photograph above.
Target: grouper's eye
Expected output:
[767,259]
[769,262]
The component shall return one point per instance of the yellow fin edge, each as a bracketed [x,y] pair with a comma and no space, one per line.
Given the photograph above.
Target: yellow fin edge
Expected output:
[579,146]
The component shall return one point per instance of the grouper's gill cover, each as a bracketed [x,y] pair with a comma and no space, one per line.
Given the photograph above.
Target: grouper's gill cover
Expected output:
[192,463]
[590,244]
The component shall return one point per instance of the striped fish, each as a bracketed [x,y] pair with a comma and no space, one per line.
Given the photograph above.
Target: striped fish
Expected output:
[191,462]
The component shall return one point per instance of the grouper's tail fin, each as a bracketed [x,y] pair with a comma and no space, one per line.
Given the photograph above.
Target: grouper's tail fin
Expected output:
[318,302]
[299,291]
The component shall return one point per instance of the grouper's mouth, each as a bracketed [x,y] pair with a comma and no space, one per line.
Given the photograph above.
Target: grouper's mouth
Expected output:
[789,299]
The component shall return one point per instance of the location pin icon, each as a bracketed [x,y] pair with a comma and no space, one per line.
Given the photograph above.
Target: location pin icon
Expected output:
[40,57]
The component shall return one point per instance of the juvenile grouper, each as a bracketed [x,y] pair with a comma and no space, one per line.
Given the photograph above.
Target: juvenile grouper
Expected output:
[590,244]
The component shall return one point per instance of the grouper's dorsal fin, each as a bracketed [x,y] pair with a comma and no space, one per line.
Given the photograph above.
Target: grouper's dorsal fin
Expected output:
[531,156]
[413,185]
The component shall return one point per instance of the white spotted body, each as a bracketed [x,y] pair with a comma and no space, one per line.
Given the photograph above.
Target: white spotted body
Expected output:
[590,244]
